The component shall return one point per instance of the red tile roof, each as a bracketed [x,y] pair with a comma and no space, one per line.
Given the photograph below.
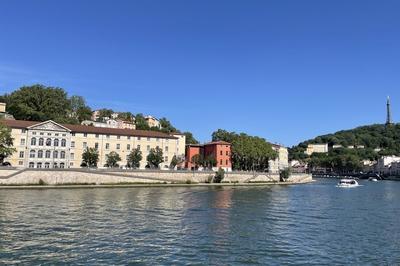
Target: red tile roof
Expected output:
[92,130]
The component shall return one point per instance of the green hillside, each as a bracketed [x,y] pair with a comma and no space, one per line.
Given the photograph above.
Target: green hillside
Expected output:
[385,138]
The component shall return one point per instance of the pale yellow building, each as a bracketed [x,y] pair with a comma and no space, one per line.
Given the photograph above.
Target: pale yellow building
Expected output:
[52,145]
[152,121]
[316,148]
[282,161]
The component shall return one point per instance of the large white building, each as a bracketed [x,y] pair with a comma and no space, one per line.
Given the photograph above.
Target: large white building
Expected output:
[52,145]
[384,164]
[316,148]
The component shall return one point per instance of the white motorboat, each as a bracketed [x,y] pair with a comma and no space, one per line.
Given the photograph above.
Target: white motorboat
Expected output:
[373,179]
[347,183]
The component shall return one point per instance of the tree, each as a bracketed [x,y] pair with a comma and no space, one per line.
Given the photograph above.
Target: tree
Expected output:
[128,116]
[112,159]
[141,122]
[166,126]
[6,143]
[209,162]
[105,113]
[40,103]
[90,157]
[134,158]
[79,110]
[219,176]
[190,138]
[155,157]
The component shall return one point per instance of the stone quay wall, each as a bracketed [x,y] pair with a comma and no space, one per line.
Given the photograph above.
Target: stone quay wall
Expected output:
[106,176]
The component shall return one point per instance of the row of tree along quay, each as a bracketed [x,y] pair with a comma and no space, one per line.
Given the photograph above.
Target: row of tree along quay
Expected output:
[41,103]
[90,158]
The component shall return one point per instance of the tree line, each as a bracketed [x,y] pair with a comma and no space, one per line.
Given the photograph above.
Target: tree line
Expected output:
[248,153]
[41,103]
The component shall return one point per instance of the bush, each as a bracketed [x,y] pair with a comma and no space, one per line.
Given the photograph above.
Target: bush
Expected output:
[41,182]
[285,174]
[219,175]
[188,181]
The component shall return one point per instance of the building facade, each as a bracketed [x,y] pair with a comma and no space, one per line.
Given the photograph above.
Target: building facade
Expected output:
[316,148]
[282,161]
[52,145]
[219,150]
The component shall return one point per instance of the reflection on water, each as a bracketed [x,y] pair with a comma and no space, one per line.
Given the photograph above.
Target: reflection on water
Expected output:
[305,224]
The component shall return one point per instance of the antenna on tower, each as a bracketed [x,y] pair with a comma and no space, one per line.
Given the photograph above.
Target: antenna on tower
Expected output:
[388,112]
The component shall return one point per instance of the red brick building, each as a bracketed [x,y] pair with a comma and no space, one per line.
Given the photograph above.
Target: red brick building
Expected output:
[219,150]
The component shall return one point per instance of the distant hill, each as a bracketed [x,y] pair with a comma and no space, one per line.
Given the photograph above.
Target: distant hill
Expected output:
[378,136]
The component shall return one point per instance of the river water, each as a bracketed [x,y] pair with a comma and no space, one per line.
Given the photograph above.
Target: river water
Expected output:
[300,224]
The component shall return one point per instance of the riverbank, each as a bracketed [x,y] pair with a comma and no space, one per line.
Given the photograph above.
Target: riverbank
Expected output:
[112,177]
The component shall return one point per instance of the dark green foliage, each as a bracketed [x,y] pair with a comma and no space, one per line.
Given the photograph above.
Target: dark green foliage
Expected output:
[285,174]
[40,103]
[219,176]
[386,138]
[90,158]
[166,126]
[155,157]
[141,122]
[41,182]
[134,158]
[190,138]
[248,152]
[6,143]
[112,159]
[128,116]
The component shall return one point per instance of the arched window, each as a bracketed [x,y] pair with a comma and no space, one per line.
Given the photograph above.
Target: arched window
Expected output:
[56,142]
[31,165]
[55,165]
[39,165]
[47,165]
[48,142]
[62,155]
[32,154]
[62,165]
[55,154]
[63,143]
[40,154]
[41,142]
[33,141]
[47,154]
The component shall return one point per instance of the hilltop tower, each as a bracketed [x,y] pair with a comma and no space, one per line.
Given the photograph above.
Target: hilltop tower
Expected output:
[388,112]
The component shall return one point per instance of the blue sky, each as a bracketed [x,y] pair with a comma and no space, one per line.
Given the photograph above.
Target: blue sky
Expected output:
[283,70]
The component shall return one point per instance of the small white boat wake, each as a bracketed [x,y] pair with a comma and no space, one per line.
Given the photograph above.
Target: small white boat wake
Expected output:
[347,183]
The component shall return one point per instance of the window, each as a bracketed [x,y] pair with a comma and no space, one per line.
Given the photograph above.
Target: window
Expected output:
[220,153]
[47,165]
[55,154]
[96,145]
[48,134]
[33,141]
[84,145]
[48,142]
[118,146]
[118,137]
[31,165]
[108,136]
[41,133]
[39,165]
[20,162]
[62,165]
[47,154]
[107,146]
[97,135]
[62,155]
[63,142]
[23,130]
[56,134]
[220,162]
[138,147]
[32,154]
[226,162]
[128,147]
[166,159]
[85,135]
[138,138]
[21,154]
[40,154]
[22,142]
[166,148]
[128,137]
[72,155]
[73,134]
[64,135]
[71,164]
[55,165]
[72,144]
[148,147]
[33,133]
[227,153]
[41,142]
[56,142]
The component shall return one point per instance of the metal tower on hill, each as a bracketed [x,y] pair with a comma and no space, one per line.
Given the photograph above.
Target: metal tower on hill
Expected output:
[388,113]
